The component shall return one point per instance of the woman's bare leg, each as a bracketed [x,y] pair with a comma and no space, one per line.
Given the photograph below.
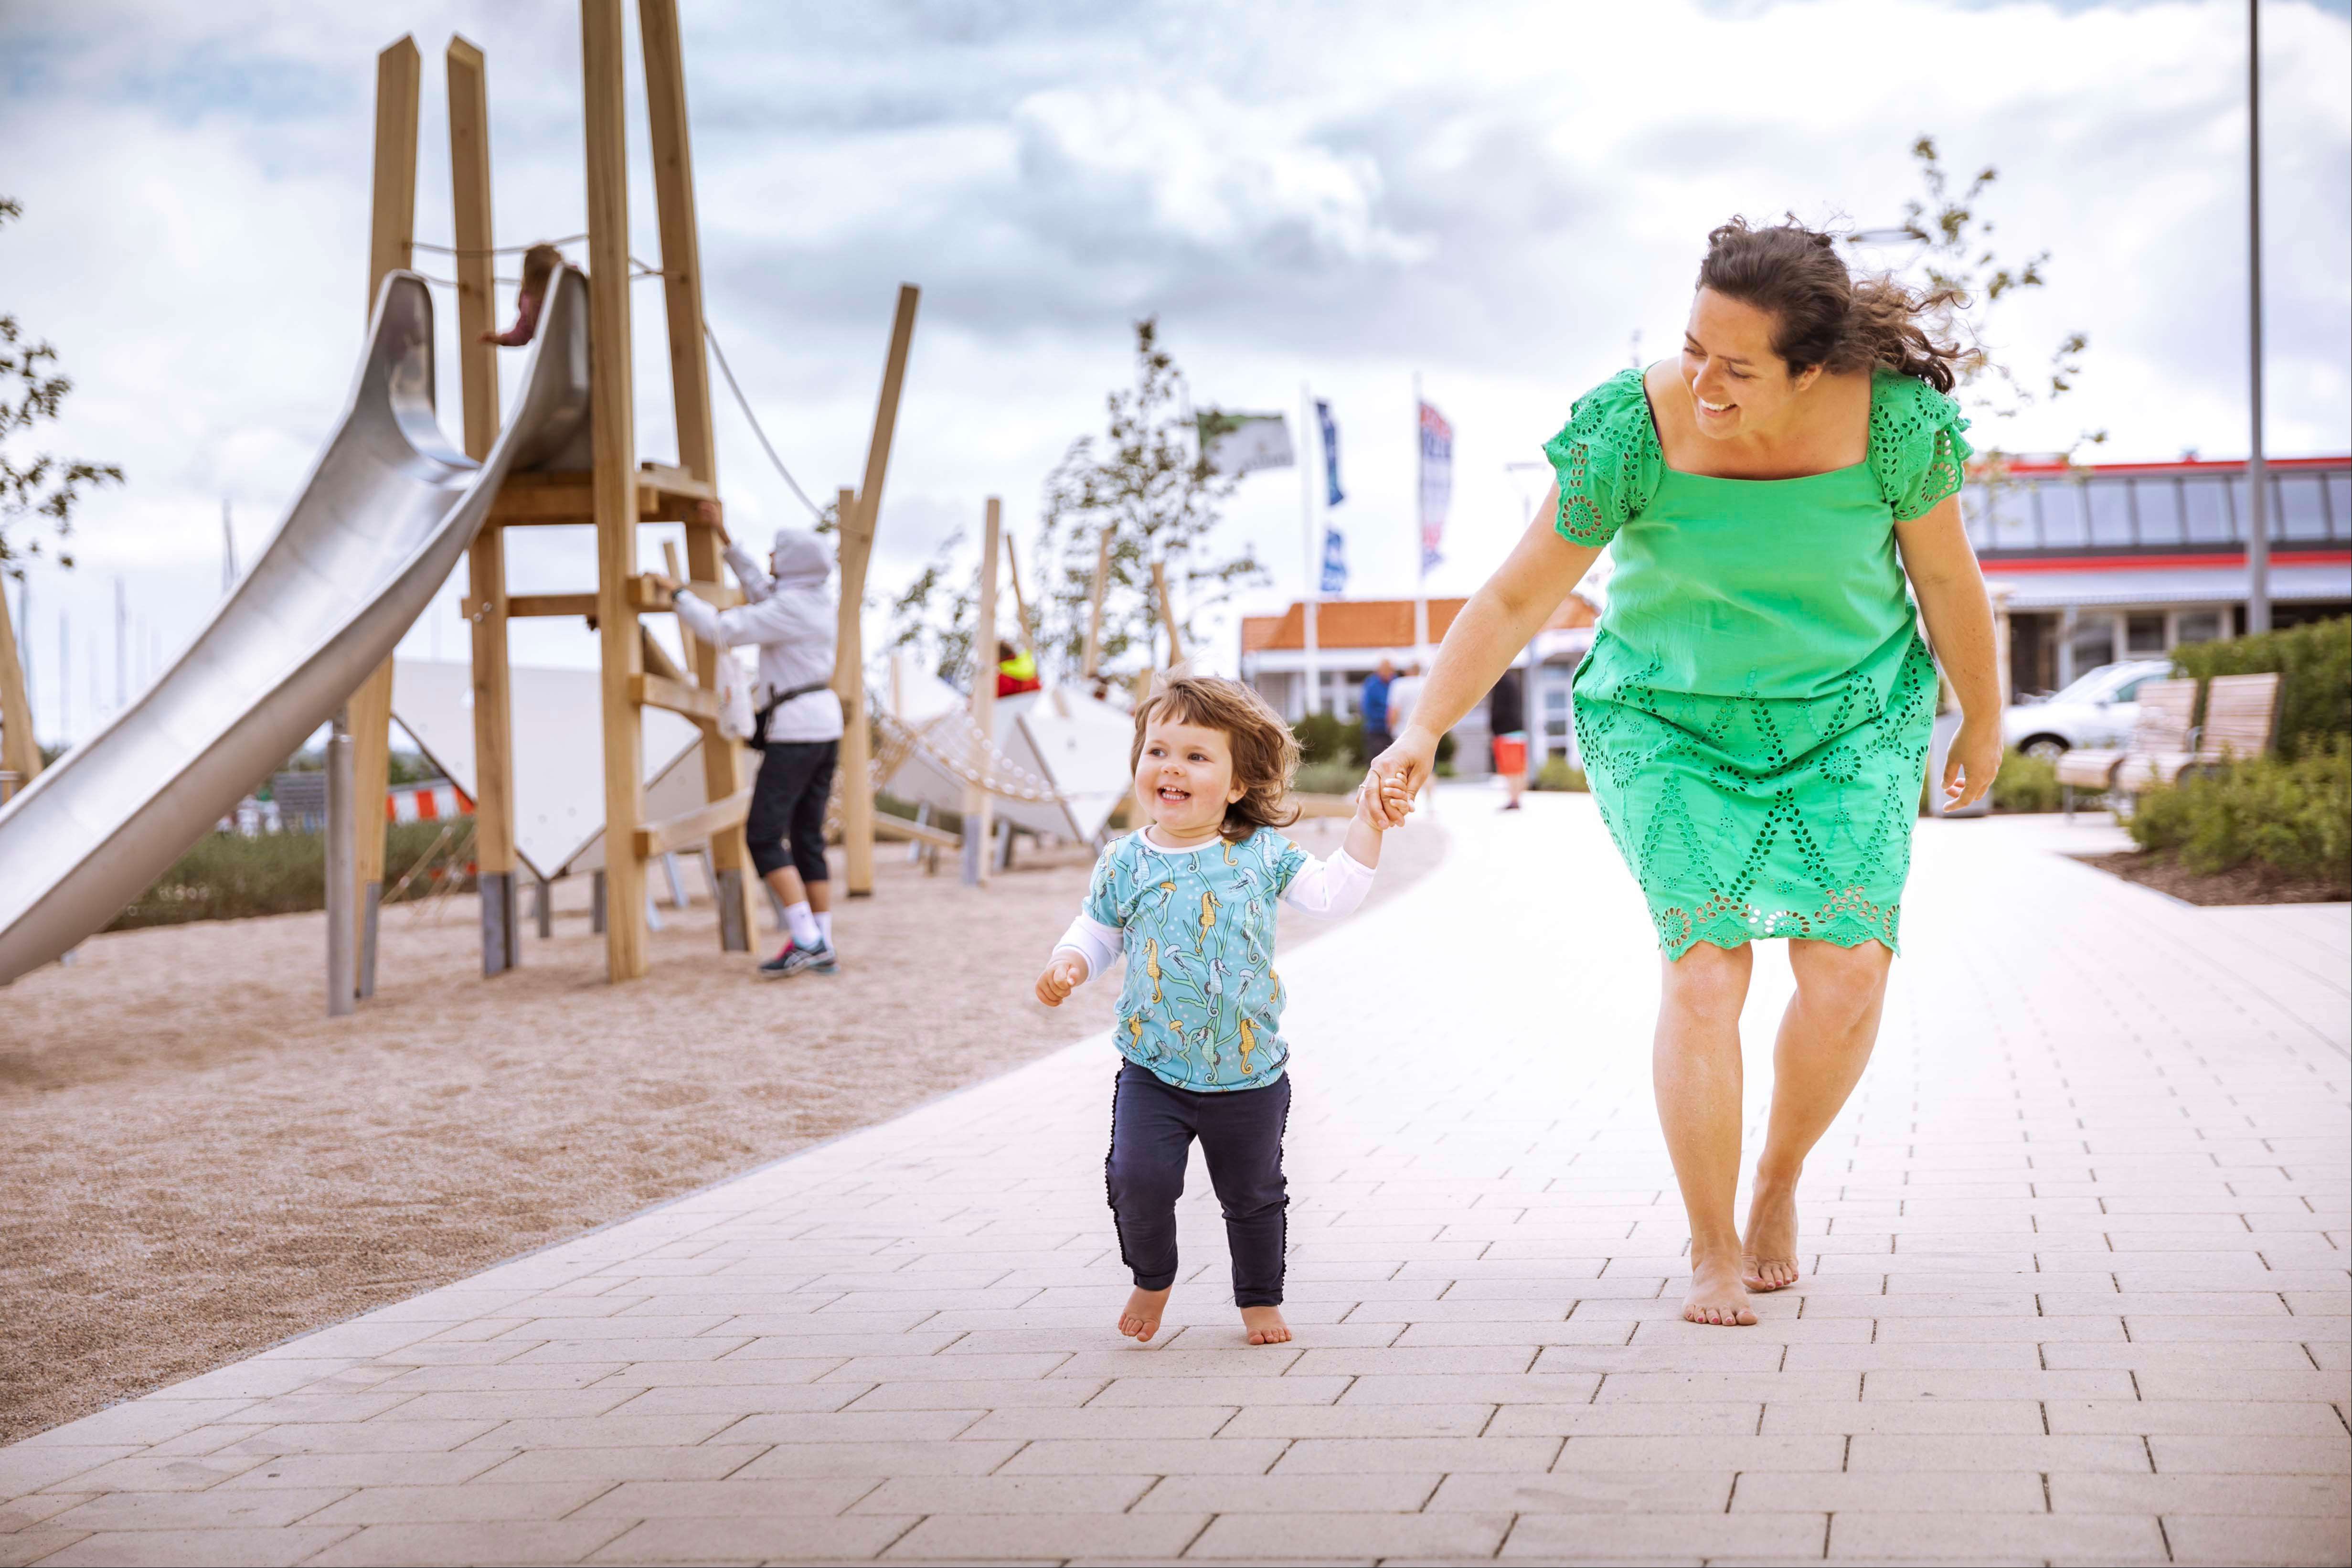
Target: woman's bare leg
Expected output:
[1824,1043]
[1694,1070]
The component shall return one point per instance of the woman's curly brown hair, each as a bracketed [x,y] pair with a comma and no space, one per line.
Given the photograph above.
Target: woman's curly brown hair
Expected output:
[1825,315]
[1265,754]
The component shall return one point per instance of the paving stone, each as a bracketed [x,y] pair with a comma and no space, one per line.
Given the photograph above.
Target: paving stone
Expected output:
[199,1548]
[2173,1493]
[456,1545]
[968,1458]
[456,1504]
[190,1510]
[2082,1537]
[1215,1459]
[970,1538]
[744,1538]
[2301,1539]
[1580,1491]
[1391,1537]
[1346,1456]
[1678,1537]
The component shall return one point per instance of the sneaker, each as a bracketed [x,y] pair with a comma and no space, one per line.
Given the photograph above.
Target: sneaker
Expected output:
[795,958]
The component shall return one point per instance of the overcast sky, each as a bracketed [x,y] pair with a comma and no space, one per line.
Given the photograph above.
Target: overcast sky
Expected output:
[1496,197]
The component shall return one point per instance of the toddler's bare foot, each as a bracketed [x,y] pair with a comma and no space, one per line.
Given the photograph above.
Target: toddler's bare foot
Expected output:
[1717,1296]
[1266,1326]
[1768,1253]
[1141,1319]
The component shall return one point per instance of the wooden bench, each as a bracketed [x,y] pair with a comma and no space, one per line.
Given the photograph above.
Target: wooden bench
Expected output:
[2241,721]
[2162,728]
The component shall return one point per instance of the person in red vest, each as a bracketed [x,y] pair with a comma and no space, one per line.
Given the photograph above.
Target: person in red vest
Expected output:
[1016,670]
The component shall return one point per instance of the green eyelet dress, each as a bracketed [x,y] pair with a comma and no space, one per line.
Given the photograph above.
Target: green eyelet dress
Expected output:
[1754,714]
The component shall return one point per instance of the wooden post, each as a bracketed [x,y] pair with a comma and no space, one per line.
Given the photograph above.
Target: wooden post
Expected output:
[392,233]
[1167,613]
[849,665]
[849,681]
[1028,634]
[615,486]
[20,754]
[690,377]
[477,380]
[1094,608]
[977,811]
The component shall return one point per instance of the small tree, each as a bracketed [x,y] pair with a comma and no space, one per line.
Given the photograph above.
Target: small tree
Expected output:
[937,614]
[1148,483]
[1956,256]
[41,485]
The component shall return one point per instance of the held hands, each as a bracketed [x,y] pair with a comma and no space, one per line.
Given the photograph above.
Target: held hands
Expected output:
[1065,974]
[1971,765]
[1397,777]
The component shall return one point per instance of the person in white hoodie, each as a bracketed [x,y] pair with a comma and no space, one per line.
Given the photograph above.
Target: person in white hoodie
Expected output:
[789,613]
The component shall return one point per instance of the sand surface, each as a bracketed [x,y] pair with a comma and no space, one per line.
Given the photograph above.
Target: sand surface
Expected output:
[200,1163]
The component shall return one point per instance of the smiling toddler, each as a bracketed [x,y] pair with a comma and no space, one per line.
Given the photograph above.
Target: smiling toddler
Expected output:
[1189,898]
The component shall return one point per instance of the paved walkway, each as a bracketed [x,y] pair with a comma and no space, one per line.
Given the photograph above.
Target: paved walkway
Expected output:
[2076,1291]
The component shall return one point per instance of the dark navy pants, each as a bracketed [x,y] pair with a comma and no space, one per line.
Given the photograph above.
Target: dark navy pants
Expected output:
[1153,1125]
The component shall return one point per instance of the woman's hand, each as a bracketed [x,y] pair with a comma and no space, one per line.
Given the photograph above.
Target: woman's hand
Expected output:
[1973,763]
[1065,974]
[1398,776]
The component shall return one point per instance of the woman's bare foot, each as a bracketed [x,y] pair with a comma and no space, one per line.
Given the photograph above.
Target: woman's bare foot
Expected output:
[1141,1319]
[1266,1326]
[1717,1296]
[1768,1253]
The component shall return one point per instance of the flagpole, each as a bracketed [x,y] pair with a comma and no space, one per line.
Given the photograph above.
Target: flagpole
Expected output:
[1314,704]
[1420,553]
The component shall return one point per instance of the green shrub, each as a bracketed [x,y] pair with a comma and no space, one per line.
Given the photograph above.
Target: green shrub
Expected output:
[1327,738]
[2315,666]
[1555,773]
[1328,778]
[2290,814]
[2031,783]
[226,876]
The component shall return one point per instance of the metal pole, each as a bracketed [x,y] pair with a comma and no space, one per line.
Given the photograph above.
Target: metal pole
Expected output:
[343,928]
[1309,591]
[2258,532]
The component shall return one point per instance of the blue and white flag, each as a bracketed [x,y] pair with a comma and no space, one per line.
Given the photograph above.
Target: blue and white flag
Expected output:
[1335,561]
[1333,495]
[1436,484]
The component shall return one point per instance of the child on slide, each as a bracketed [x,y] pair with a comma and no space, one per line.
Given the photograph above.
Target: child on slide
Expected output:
[1189,898]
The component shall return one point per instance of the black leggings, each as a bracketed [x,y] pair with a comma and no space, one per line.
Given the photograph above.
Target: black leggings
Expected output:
[1153,1125]
[788,801]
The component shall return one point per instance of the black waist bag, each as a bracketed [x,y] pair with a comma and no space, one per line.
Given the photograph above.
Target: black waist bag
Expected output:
[758,739]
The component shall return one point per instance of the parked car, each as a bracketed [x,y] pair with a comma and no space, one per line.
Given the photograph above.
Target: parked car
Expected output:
[2094,709]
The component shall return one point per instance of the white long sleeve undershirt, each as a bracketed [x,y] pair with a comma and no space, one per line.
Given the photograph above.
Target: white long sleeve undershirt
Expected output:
[1326,887]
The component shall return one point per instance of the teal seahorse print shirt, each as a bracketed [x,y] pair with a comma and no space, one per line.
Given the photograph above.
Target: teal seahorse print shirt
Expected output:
[1201,1004]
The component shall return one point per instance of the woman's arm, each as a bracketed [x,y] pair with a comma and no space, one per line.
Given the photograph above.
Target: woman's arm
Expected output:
[1952,601]
[1512,606]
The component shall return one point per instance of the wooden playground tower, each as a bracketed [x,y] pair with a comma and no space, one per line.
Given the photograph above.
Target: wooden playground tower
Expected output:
[614,495]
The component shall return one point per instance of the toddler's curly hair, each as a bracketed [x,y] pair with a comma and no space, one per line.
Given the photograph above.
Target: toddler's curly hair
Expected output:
[1265,754]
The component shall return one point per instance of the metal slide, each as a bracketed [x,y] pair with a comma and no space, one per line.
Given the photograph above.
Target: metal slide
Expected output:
[382,520]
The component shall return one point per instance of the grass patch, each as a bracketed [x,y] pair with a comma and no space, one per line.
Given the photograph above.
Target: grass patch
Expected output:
[226,875]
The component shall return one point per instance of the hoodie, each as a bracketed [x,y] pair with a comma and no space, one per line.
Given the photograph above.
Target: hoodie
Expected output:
[790,617]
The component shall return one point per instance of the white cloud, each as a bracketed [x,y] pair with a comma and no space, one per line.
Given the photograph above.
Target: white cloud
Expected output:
[1498,197]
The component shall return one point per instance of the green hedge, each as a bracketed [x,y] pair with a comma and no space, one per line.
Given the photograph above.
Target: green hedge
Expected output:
[2290,814]
[2314,664]
[1327,778]
[1326,738]
[2031,783]
[1556,774]
[229,876]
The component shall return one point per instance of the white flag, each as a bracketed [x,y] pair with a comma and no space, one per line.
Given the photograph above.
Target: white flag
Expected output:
[1238,444]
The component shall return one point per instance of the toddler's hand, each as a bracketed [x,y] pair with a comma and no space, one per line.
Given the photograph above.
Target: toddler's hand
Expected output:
[1062,976]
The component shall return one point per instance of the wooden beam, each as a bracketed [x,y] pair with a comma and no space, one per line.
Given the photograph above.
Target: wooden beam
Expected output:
[658,660]
[20,754]
[1095,604]
[392,235]
[486,562]
[904,831]
[692,827]
[1019,603]
[614,481]
[977,802]
[849,684]
[539,606]
[864,505]
[1167,613]
[677,695]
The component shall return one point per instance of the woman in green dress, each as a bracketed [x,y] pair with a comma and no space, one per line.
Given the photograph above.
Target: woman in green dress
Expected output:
[1754,714]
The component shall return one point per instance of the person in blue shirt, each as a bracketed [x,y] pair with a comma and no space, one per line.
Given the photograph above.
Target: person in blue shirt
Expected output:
[1374,707]
[1189,900]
